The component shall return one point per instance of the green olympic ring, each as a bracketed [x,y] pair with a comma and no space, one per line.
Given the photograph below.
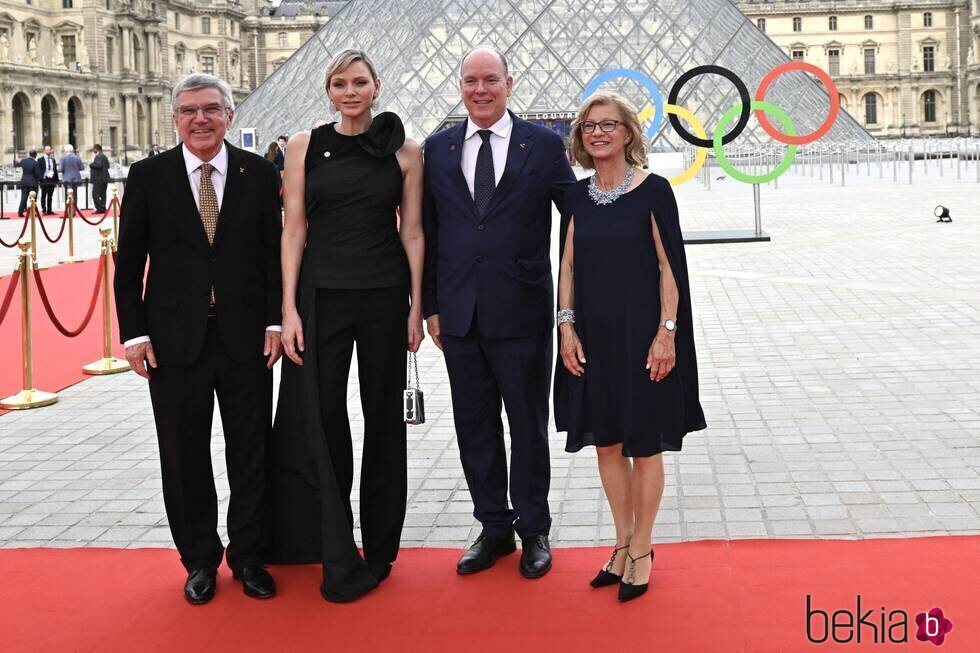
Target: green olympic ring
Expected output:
[719,132]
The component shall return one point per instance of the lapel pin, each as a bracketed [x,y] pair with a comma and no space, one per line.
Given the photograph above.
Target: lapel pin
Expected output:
[326,155]
[522,145]
[241,170]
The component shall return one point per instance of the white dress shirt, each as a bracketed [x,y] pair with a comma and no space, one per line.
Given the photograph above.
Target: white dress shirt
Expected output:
[499,142]
[218,176]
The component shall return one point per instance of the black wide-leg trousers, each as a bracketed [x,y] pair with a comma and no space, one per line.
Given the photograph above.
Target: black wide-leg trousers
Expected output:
[485,374]
[377,320]
[183,407]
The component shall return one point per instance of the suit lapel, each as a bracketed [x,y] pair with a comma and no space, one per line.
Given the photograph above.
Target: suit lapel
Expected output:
[185,196]
[456,167]
[234,182]
[517,153]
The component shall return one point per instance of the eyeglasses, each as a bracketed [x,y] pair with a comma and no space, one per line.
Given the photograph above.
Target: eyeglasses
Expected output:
[606,126]
[210,111]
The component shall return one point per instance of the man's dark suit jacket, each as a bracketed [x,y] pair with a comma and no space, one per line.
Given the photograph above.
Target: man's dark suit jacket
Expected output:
[42,168]
[280,159]
[30,172]
[498,264]
[160,220]
[99,168]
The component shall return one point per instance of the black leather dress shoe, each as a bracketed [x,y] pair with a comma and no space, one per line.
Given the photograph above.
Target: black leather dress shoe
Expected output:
[256,581]
[484,552]
[200,586]
[379,570]
[535,556]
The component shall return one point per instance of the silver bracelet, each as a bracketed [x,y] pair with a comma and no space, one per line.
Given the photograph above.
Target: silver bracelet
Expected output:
[566,315]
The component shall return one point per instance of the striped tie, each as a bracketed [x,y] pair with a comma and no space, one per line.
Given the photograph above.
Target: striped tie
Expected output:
[209,207]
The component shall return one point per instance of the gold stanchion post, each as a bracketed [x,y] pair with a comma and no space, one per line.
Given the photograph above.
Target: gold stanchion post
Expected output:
[108,364]
[70,212]
[28,397]
[32,216]
[115,218]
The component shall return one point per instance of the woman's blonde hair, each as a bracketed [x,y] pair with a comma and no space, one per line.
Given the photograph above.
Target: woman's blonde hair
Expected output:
[344,60]
[636,144]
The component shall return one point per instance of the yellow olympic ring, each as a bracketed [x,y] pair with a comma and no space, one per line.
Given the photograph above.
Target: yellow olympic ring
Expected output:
[702,154]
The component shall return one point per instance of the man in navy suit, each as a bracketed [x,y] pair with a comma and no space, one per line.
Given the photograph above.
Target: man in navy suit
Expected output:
[489,304]
[30,177]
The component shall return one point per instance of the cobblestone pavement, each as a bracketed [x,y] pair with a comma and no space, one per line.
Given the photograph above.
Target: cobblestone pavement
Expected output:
[839,374]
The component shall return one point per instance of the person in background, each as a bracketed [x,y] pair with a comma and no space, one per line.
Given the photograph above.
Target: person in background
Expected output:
[49,179]
[99,176]
[30,176]
[71,170]
[154,150]
[272,154]
[280,159]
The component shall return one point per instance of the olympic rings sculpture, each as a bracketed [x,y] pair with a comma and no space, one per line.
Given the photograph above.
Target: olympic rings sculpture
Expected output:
[675,113]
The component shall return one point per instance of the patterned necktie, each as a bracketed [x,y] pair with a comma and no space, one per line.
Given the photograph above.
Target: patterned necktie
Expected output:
[208,207]
[484,180]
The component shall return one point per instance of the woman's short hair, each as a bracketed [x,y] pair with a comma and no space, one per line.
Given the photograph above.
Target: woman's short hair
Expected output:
[196,82]
[344,60]
[636,144]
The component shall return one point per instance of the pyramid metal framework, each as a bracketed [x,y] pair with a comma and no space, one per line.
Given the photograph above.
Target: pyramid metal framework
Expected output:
[554,48]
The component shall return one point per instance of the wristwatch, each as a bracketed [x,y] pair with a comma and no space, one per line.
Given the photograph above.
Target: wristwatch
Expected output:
[670,325]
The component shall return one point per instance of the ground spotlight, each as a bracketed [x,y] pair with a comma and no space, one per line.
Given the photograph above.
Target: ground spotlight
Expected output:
[943,214]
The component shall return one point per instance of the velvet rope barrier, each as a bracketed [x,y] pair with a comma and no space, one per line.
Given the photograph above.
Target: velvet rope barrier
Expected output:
[23,230]
[69,333]
[14,279]
[94,223]
[61,232]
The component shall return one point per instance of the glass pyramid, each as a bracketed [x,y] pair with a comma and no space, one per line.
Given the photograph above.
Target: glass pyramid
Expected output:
[554,48]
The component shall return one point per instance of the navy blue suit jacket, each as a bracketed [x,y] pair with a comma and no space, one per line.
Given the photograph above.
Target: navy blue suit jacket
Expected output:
[31,172]
[497,266]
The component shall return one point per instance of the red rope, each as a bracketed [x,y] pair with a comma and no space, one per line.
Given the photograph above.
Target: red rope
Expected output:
[14,278]
[70,333]
[79,213]
[61,232]
[23,230]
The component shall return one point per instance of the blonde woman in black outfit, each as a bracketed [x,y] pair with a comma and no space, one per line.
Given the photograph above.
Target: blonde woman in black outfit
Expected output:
[352,251]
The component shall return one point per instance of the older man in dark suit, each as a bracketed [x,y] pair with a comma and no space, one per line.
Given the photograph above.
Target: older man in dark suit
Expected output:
[488,298]
[207,216]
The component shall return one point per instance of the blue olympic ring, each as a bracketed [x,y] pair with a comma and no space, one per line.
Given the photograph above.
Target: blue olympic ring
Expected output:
[637,76]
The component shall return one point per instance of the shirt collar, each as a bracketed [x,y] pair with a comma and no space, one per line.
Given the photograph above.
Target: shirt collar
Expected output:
[220,160]
[501,128]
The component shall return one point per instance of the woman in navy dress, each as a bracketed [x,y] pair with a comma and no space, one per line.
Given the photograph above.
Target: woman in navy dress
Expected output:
[627,380]
[352,274]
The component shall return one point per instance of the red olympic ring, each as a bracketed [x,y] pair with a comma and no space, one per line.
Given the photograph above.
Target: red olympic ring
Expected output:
[831,90]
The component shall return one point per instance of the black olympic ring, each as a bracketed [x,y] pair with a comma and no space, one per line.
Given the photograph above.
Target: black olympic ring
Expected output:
[743,93]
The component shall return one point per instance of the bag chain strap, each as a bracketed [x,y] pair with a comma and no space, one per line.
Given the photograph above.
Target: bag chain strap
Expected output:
[413,363]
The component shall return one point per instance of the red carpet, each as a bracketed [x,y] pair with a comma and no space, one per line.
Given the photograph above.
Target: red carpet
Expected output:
[743,595]
[57,360]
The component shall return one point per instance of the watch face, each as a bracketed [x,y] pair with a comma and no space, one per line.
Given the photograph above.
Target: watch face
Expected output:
[670,325]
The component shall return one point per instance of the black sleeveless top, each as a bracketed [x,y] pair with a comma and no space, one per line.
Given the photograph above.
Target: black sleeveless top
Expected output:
[353,186]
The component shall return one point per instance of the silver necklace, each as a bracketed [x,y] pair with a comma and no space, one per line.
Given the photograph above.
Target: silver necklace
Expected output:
[601,197]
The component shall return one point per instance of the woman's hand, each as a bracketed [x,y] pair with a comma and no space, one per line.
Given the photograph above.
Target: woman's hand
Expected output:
[571,350]
[661,358]
[416,334]
[292,335]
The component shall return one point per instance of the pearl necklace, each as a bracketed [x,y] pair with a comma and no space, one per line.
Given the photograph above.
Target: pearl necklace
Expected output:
[601,197]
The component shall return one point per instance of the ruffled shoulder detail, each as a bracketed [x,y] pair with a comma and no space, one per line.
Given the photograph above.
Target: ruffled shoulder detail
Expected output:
[384,137]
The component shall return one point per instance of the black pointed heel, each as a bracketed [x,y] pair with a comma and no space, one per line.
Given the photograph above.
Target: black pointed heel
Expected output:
[605,577]
[627,590]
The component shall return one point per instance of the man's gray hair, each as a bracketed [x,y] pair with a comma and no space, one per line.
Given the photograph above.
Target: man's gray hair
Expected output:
[491,49]
[197,81]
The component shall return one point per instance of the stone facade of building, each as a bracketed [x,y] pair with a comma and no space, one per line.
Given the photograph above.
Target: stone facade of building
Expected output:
[101,71]
[902,68]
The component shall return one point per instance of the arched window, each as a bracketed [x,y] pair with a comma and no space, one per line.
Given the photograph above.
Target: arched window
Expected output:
[929,106]
[797,24]
[869,22]
[761,24]
[871,109]
[283,39]
[832,23]
[927,19]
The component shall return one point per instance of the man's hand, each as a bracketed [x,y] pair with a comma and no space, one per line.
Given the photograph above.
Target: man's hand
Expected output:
[273,347]
[138,355]
[432,325]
